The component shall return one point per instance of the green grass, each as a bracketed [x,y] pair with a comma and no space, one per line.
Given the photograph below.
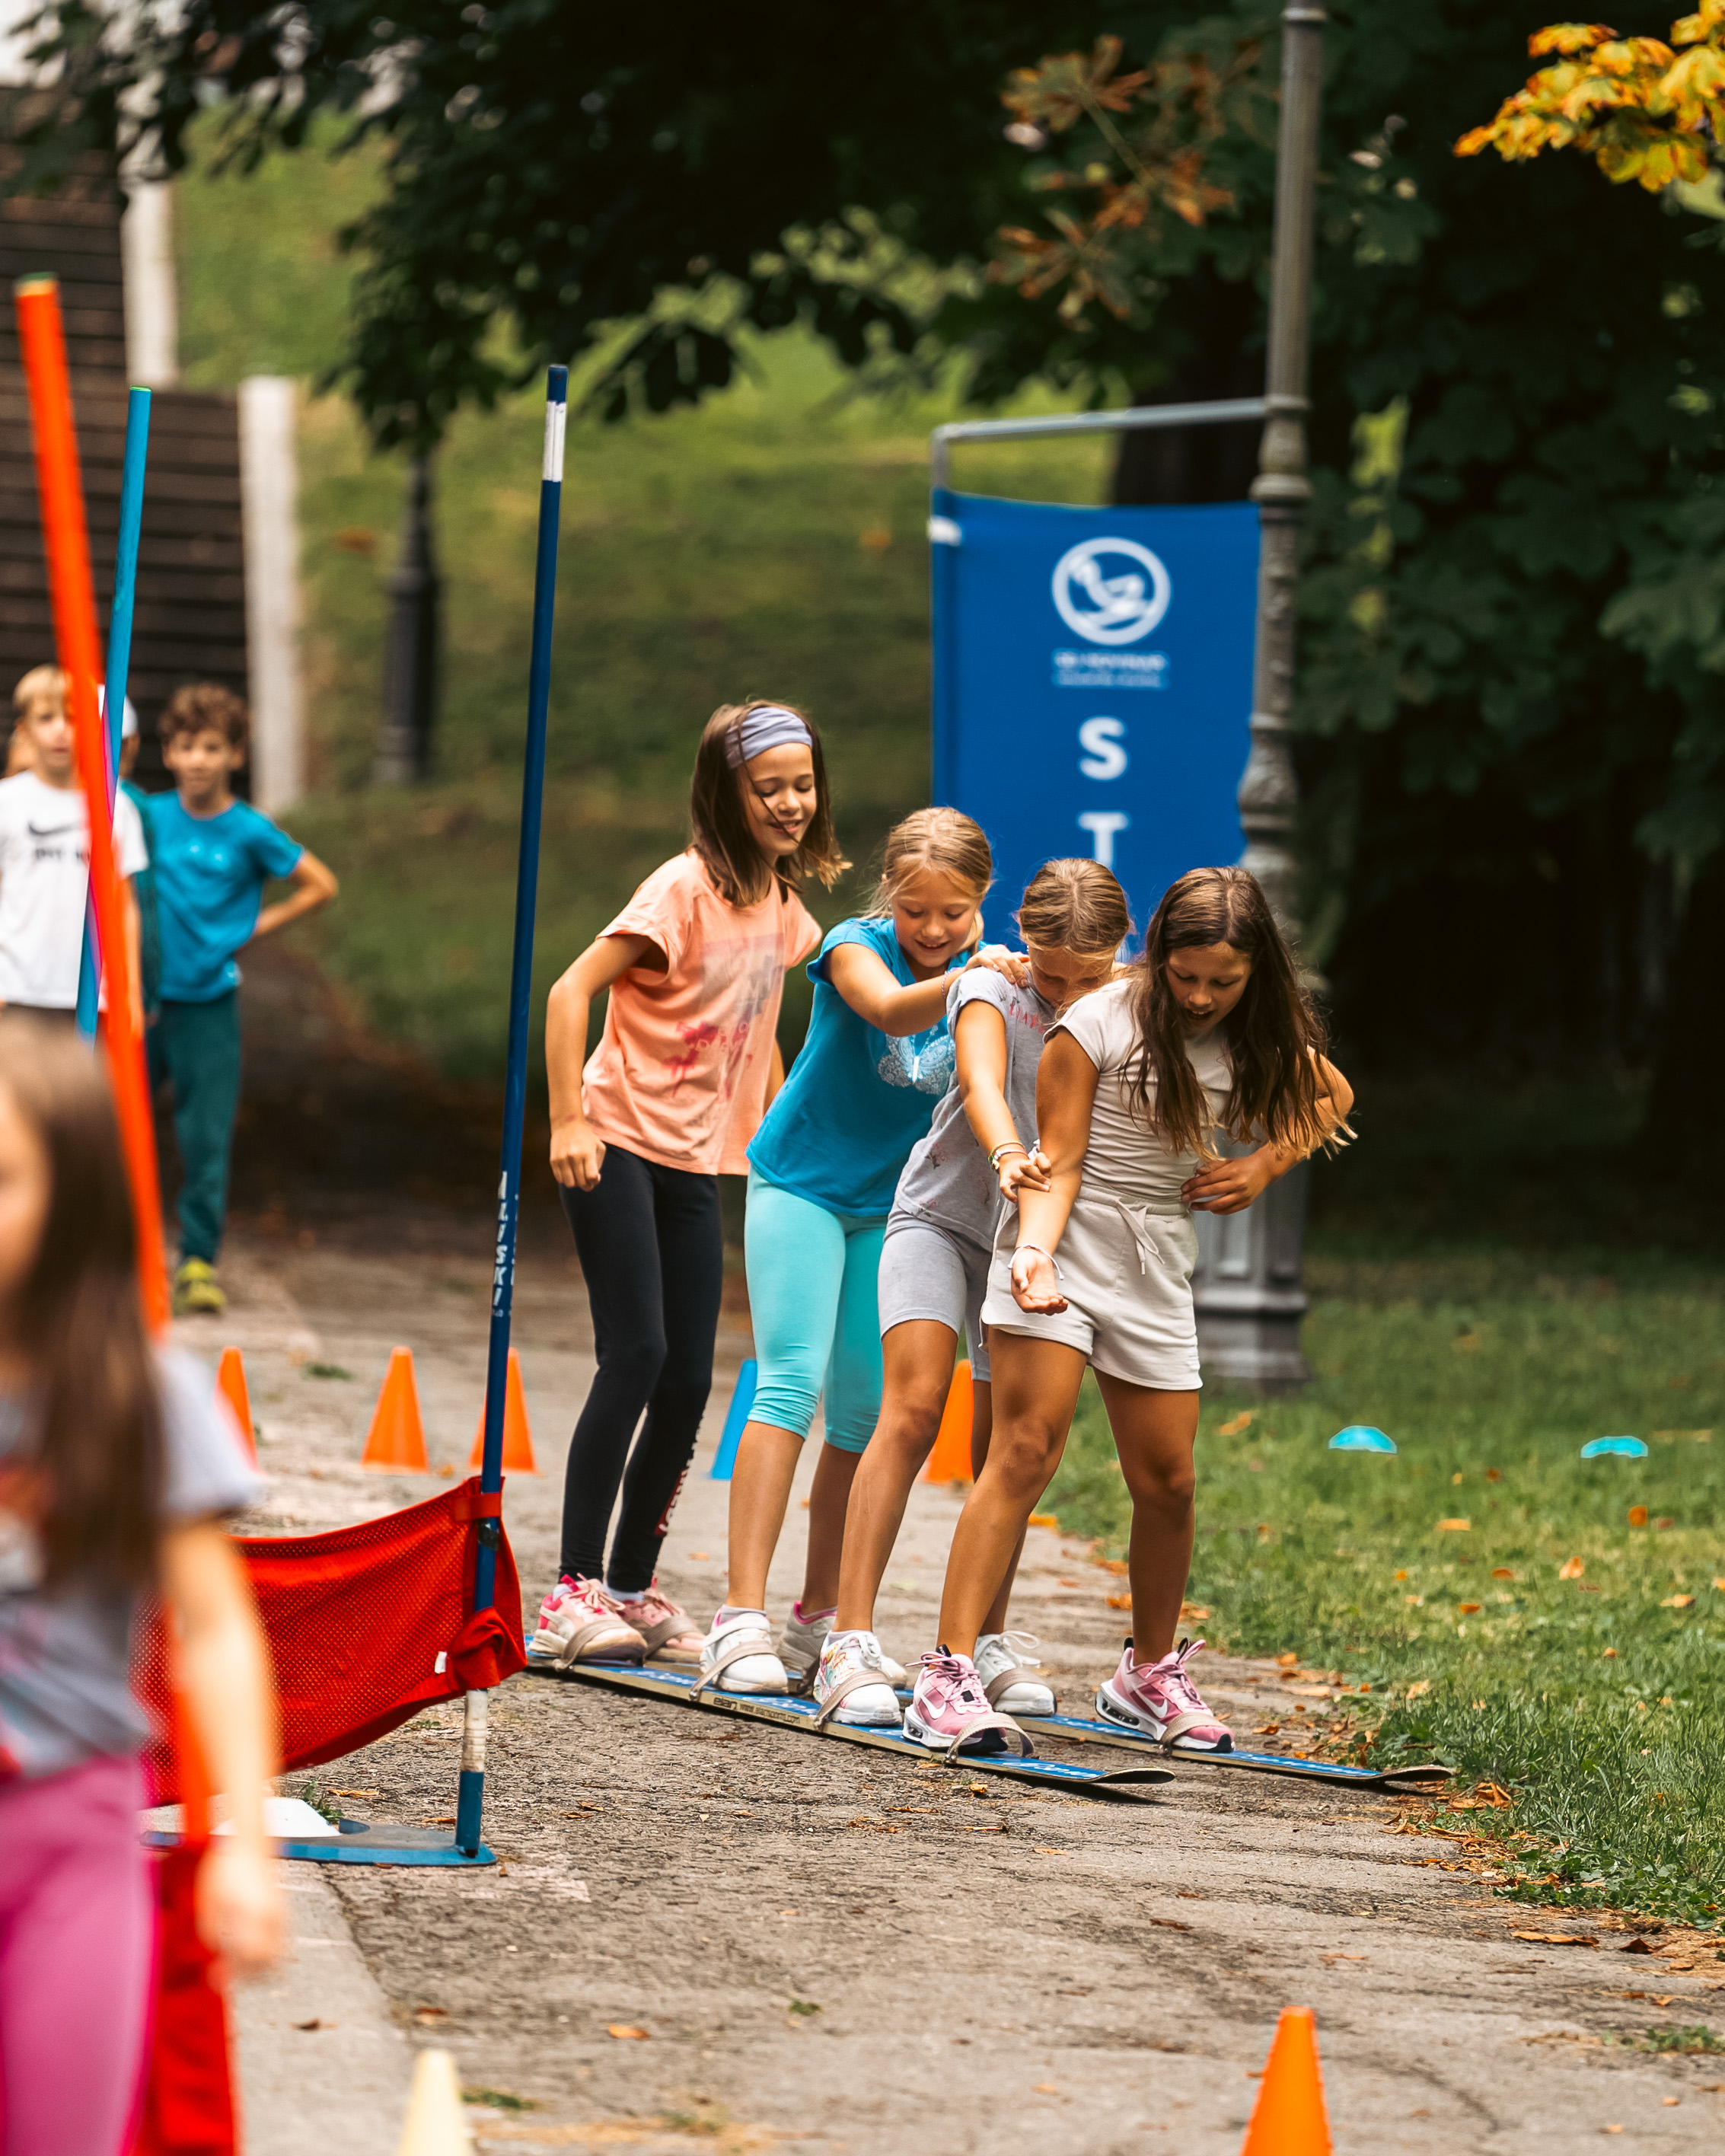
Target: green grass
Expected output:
[770,543]
[1599,1705]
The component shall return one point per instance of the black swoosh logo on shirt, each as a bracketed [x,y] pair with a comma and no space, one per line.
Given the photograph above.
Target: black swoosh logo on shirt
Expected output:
[58,831]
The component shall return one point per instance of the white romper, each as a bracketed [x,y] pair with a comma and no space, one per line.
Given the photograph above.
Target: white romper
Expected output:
[1127,1254]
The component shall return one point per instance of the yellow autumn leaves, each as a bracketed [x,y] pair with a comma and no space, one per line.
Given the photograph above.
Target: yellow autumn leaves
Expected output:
[1643,109]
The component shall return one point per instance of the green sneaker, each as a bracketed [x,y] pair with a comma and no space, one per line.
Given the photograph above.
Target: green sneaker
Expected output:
[196,1292]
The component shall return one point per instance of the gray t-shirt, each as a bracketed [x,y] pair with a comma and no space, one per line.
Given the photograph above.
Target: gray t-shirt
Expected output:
[1126,1158]
[65,1659]
[947,1178]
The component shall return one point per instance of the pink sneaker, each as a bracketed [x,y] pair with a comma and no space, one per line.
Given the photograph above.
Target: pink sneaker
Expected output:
[949,1711]
[663,1624]
[578,1623]
[1161,1699]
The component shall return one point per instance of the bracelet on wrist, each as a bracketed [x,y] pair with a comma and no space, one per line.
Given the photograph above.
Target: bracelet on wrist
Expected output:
[1011,1145]
[1040,1253]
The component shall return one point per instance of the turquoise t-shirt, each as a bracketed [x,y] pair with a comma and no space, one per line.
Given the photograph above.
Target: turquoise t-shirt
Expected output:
[210,874]
[857,1099]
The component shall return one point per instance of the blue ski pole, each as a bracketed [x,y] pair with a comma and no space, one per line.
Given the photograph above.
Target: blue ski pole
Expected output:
[469,1804]
[125,578]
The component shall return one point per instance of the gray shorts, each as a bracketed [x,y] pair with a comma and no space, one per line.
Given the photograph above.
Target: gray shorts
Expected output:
[1125,1271]
[927,1271]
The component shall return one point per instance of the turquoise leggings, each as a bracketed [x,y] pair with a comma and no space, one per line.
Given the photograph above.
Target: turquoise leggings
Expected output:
[812,1295]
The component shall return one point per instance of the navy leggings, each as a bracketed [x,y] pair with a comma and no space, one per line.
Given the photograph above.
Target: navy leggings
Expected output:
[653,1254]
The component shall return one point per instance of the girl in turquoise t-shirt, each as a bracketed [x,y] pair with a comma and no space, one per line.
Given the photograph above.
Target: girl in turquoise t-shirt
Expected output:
[823,1169]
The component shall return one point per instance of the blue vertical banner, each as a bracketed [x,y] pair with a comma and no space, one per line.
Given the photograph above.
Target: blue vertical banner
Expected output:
[1093,684]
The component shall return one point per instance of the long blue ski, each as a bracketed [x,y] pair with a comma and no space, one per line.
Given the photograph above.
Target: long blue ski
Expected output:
[785,1711]
[1425,1775]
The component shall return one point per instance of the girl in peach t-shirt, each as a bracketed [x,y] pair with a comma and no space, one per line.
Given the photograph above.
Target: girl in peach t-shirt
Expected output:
[667,1104]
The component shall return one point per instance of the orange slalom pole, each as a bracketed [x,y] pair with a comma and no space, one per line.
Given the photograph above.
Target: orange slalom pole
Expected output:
[66,540]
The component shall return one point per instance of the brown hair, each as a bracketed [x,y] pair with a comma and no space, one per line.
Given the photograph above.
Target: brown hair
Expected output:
[206,707]
[101,1456]
[1273,1033]
[722,839]
[42,685]
[944,840]
[1075,905]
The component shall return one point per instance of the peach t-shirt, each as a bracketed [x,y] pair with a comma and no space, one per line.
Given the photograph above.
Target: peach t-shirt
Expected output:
[679,1075]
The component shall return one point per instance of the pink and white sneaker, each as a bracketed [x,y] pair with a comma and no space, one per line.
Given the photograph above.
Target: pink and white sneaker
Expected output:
[949,1711]
[578,1623]
[1161,1699]
[664,1625]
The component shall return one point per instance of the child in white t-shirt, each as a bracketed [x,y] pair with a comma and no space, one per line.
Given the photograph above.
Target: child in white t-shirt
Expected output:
[44,858]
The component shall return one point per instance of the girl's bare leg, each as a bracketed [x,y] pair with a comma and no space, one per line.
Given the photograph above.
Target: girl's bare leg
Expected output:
[1035,1388]
[828,1499]
[981,1426]
[1154,1434]
[761,1481]
[917,1359]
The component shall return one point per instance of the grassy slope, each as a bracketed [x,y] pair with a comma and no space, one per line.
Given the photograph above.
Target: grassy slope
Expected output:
[1597,1701]
[770,543]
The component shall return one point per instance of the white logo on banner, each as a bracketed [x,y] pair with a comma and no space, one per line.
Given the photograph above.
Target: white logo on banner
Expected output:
[1120,608]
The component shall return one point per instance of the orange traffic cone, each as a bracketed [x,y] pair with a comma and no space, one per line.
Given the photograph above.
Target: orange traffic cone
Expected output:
[950,1460]
[517,1437]
[1289,2117]
[397,1440]
[230,1383]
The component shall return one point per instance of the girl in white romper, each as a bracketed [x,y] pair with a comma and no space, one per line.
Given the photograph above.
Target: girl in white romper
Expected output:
[1210,1034]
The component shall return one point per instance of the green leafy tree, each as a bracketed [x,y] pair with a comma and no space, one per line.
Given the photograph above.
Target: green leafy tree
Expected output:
[1511,732]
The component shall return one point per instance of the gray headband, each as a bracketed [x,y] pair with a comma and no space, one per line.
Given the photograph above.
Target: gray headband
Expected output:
[768,725]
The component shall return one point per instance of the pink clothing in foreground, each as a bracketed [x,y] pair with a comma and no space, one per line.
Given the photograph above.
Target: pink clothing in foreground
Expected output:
[77,1949]
[679,1075]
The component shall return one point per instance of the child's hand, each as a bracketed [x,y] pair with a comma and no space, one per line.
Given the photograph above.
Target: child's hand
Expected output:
[240,1912]
[1021,1171]
[578,1153]
[1035,1285]
[1229,1186]
[1014,964]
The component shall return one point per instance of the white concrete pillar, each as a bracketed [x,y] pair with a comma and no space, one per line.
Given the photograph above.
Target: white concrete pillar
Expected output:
[152,307]
[268,478]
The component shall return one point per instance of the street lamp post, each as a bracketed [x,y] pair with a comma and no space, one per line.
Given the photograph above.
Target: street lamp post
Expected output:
[410,659]
[1250,1301]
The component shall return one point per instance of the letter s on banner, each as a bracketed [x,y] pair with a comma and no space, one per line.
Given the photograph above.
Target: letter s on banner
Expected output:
[1102,738]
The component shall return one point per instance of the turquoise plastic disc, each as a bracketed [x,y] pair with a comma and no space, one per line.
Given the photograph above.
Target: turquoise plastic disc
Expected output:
[1361,1437]
[1627,1448]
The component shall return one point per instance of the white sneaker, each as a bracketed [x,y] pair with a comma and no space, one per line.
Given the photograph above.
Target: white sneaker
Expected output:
[737,1655]
[851,1684]
[802,1640]
[1002,1660]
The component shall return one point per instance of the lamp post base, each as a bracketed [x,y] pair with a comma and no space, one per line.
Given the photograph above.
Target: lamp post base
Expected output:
[1250,1301]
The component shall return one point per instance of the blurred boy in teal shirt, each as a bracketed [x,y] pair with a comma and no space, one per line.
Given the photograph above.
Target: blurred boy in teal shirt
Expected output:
[210,856]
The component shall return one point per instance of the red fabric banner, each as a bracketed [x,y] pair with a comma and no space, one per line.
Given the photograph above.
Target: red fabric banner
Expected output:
[368,1623]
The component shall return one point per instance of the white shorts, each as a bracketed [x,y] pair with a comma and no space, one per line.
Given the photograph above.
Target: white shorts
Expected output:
[1125,1272]
[927,1271]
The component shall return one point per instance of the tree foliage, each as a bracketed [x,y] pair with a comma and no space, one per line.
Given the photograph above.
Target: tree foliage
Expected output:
[1641,109]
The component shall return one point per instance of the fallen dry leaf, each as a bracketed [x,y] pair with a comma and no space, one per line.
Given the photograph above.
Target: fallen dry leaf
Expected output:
[1287,1662]
[626,2032]
[1558,1938]
[1454,1527]
[1501,1571]
[1235,1425]
[1116,1565]
[356,1793]
[699,1556]
[1676,1602]
[1572,1570]
[1638,1516]
[1639,1947]
[1167,1924]
[1469,1609]
[1045,2088]
[1045,1520]
[1120,1602]
[1192,1613]
[1419,1690]
[1050,1852]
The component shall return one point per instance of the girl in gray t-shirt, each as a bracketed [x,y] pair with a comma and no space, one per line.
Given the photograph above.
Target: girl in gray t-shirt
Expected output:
[116,1468]
[980,1152]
